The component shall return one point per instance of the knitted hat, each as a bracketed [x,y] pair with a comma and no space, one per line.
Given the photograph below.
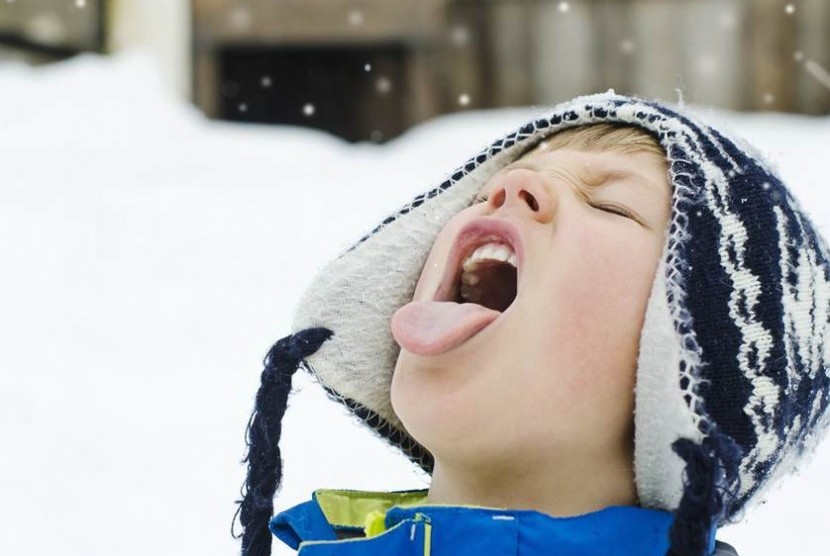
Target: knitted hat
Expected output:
[732,381]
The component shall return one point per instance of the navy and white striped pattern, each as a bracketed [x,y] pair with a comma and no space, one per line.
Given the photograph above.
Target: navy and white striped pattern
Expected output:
[742,293]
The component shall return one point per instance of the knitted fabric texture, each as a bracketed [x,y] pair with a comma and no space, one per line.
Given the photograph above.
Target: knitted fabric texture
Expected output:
[735,345]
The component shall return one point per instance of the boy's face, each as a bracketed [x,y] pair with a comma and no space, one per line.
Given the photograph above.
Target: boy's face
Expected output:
[554,375]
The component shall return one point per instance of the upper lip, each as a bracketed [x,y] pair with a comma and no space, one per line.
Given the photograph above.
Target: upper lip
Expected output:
[475,233]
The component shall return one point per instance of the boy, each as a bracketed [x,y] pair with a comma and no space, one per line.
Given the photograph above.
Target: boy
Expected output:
[639,352]
[531,392]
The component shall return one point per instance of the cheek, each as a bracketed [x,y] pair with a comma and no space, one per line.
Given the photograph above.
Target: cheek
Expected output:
[598,296]
[430,275]
[433,269]
[613,272]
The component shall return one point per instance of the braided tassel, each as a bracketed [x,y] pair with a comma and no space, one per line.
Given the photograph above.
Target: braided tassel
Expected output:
[263,435]
[705,496]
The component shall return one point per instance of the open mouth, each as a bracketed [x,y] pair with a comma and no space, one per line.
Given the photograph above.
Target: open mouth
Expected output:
[488,277]
[485,265]
[479,285]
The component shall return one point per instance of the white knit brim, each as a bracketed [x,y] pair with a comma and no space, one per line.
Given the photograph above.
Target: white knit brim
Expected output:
[356,295]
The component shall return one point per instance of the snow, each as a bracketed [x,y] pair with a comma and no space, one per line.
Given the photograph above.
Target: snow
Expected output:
[149,259]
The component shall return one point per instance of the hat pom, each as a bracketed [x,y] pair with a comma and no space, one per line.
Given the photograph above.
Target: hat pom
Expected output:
[707,494]
[263,435]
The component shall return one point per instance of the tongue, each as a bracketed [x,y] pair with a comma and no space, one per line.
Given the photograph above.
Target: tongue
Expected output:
[434,327]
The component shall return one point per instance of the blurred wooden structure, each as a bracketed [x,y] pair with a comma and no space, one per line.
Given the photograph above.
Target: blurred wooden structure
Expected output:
[738,54]
[302,61]
[370,69]
[360,69]
[38,31]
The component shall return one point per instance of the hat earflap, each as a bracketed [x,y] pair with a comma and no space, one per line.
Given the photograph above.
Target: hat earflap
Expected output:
[708,493]
[263,435]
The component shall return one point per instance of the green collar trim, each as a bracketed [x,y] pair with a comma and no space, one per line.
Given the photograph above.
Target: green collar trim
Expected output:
[349,508]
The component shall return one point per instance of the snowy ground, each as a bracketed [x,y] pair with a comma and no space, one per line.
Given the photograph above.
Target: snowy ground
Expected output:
[148,260]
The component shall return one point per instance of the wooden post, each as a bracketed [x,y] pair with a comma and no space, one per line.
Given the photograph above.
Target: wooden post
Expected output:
[772,67]
[567,59]
[813,44]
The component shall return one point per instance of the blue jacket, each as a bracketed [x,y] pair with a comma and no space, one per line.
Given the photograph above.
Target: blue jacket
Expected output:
[362,523]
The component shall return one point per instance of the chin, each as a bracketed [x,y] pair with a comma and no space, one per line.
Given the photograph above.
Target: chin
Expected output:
[444,422]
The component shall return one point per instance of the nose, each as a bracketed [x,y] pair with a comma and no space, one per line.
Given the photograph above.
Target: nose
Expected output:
[523,191]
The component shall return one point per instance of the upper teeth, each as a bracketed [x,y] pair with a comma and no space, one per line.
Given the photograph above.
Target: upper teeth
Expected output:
[491,251]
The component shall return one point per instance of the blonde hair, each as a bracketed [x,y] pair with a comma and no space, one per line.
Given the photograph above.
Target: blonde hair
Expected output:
[614,137]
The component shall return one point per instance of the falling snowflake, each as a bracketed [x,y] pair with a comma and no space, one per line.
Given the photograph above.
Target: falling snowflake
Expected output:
[367,67]
[464,99]
[766,185]
[460,35]
[769,98]
[383,85]
[266,81]
[627,46]
[240,17]
[706,65]
[564,7]
[818,72]
[355,17]
[243,107]
[728,20]
[789,9]
[308,109]
[798,56]
[80,3]
[376,136]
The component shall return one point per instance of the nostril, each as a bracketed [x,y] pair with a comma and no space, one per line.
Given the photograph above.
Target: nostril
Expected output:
[530,200]
[498,198]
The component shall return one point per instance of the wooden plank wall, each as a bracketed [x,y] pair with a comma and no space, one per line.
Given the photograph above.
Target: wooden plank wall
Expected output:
[45,30]
[737,54]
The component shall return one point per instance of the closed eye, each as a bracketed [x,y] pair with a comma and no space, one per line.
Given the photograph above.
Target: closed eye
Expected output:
[607,208]
[615,210]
